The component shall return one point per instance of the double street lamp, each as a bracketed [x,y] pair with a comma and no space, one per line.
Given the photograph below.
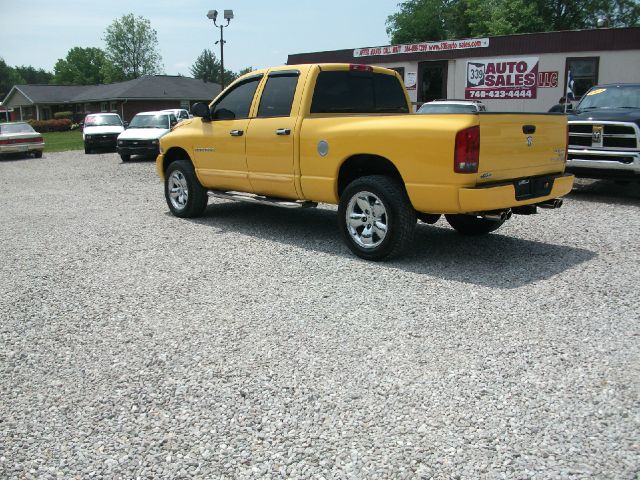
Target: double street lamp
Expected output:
[228,15]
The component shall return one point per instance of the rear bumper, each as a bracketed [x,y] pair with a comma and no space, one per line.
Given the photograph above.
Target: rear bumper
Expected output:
[602,161]
[481,199]
[21,148]
[455,199]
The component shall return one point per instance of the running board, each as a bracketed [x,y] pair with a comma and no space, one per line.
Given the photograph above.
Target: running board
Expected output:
[251,198]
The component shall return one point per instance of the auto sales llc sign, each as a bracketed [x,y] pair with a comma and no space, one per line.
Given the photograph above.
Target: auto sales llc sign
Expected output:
[504,78]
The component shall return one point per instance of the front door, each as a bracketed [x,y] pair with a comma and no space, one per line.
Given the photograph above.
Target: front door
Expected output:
[220,152]
[432,81]
[271,138]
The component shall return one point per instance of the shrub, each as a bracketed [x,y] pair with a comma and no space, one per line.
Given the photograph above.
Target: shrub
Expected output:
[60,115]
[44,126]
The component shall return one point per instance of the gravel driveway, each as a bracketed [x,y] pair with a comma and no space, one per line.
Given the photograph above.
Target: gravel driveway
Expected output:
[251,344]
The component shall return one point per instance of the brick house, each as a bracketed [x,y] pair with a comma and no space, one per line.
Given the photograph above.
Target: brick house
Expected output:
[147,93]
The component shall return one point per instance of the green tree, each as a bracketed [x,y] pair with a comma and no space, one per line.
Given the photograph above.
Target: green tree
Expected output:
[423,20]
[131,49]
[245,71]
[34,75]
[8,78]
[207,68]
[82,66]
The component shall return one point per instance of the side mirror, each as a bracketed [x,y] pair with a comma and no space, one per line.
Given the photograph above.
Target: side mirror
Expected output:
[126,124]
[201,110]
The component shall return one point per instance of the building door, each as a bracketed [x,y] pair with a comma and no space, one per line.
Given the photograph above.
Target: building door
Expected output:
[432,80]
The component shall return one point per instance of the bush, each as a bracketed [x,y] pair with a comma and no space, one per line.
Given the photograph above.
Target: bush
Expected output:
[60,115]
[44,126]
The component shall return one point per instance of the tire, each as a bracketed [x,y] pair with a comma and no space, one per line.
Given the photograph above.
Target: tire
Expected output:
[87,150]
[473,225]
[183,192]
[37,154]
[125,158]
[389,208]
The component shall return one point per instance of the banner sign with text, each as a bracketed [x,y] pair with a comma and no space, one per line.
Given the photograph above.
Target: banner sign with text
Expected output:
[503,78]
[444,45]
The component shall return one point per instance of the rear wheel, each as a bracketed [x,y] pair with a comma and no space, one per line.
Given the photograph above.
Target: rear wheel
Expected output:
[376,218]
[185,196]
[472,224]
[125,158]
[37,154]
[87,150]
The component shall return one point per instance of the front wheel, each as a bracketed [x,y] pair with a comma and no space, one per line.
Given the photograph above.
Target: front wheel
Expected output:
[376,218]
[125,158]
[185,196]
[472,224]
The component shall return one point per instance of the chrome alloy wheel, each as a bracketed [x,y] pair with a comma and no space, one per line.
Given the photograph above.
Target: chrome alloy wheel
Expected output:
[178,190]
[366,219]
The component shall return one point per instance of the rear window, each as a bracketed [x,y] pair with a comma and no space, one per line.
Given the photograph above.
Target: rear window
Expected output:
[16,128]
[358,92]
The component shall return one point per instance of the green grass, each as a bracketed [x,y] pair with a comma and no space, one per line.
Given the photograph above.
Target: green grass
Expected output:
[63,141]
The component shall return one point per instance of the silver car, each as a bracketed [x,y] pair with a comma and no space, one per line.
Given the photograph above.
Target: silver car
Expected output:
[20,137]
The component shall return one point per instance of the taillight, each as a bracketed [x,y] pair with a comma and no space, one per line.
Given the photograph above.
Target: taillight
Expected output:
[467,153]
[354,67]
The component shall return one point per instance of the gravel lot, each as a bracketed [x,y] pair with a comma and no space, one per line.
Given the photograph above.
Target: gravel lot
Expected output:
[251,343]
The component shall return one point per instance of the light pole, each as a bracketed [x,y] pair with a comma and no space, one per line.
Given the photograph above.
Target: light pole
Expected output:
[228,15]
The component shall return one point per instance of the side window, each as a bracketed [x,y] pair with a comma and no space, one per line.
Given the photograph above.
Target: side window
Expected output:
[584,72]
[277,96]
[358,92]
[237,102]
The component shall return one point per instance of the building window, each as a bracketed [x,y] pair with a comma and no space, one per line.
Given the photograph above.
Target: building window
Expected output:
[184,104]
[113,107]
[87,107]
[400,71]
[584,71]
[104,106]
[78,108]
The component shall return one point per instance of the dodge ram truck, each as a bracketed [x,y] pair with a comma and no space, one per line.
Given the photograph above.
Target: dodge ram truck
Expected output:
[296,135]
[604,133]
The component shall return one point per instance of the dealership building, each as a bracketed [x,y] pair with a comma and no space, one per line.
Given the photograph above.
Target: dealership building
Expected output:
[519,73]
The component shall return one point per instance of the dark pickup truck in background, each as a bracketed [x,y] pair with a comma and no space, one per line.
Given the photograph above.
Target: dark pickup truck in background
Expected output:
[604,133]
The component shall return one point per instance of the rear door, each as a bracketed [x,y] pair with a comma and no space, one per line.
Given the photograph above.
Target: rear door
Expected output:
[521,145]
[272,136]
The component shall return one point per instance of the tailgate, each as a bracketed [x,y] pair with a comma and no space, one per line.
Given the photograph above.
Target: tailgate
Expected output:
[521,145]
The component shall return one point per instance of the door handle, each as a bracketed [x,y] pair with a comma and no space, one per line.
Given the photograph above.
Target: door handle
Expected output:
[236,133]
[283,131]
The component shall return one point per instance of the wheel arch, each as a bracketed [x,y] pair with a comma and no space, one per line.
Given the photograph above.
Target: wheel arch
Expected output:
[175,154]
[364,164]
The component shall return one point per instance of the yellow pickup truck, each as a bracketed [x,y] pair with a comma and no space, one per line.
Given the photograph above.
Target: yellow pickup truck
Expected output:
[296,135]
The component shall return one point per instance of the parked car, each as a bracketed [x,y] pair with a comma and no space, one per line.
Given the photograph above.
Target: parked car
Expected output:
[343,134]
[101,130]
[604,133]
[20,137]
[142,137]
[180,113]
[452,106]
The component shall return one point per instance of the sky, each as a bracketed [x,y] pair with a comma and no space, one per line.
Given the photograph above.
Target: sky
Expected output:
[262,34]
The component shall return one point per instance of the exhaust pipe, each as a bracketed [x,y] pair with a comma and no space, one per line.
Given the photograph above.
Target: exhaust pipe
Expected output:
[553,203]
[497,215]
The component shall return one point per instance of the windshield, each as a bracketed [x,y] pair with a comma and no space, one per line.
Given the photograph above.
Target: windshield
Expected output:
[102,120]
[150,121]
[16,128]
[624,96]
[447,108]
